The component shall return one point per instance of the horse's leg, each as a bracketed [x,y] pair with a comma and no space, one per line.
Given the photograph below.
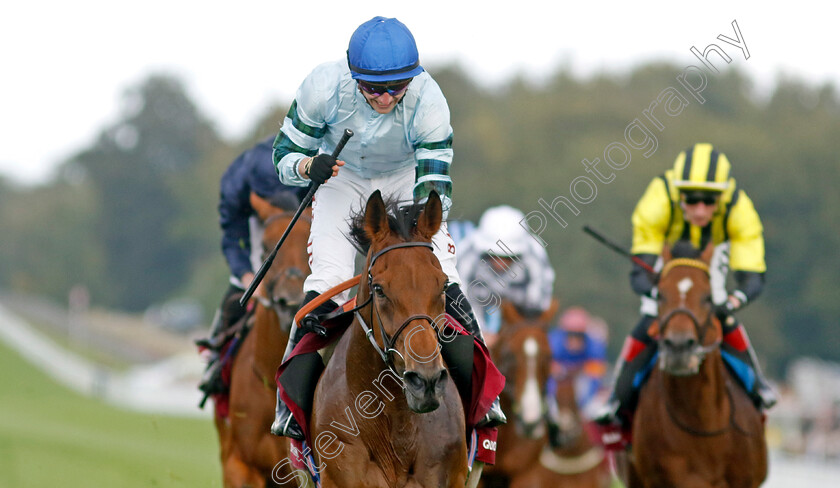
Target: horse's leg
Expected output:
[237,474]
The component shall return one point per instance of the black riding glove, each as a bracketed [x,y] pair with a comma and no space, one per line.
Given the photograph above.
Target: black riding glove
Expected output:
[321,168]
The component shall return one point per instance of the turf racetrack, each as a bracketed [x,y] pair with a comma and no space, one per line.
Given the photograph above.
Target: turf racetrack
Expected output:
[50,436]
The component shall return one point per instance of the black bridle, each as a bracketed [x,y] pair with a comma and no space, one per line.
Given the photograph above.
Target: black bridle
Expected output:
[387,349]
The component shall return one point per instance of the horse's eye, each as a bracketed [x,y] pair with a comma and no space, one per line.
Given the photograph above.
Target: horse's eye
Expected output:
[378,291]
[707,299]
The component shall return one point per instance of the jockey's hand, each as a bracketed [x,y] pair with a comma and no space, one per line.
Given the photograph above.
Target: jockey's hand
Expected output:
[321,168]
[246,280]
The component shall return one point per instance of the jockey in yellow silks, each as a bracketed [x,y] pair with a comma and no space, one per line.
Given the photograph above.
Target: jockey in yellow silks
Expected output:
[696,201]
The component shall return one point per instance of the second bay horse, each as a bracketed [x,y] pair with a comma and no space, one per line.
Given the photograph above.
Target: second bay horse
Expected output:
[251,456]
[694,426]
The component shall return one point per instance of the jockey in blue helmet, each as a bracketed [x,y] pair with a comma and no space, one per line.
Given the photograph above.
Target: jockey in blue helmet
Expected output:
[402,145]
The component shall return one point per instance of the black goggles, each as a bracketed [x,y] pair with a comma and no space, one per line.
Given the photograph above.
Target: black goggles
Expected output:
[393,88]
[693,198]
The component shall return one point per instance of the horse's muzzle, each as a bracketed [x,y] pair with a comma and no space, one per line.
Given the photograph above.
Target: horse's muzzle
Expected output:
[680,358]
[424,392]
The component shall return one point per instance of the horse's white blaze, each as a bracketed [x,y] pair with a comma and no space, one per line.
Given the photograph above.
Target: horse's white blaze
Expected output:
[683,286]
[531,401]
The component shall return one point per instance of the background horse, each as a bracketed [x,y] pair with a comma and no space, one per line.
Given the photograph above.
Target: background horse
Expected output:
[523,355]
[576,462]
[250,453]
[386,413]
[694,427]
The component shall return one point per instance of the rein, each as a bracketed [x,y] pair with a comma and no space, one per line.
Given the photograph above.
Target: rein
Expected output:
[385,351]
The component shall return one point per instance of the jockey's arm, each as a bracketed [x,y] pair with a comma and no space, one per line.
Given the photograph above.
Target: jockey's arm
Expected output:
[746,250]
[431,135]
[640,279]
[650,223]
[234,211]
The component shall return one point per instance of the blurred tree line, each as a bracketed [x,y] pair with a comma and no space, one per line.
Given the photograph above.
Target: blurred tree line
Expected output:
[133,216]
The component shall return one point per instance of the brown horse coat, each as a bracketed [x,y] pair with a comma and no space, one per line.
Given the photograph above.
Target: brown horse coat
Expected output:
[366,428]
[695,430]
[250,454]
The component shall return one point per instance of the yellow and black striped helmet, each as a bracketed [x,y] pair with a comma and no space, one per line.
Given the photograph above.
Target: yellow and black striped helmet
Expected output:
[701,167]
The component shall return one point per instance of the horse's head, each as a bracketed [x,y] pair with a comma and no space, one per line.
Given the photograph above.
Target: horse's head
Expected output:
[687,328]
[523,355]
[405,285]
[283,282]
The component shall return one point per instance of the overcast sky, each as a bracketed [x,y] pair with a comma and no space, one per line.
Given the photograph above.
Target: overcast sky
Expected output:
[66,64]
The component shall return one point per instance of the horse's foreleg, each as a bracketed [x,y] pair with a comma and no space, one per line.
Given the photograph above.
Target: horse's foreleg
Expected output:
[237,474]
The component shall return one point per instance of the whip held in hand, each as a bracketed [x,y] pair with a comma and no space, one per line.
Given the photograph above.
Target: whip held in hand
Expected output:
[303,204]
[615,247]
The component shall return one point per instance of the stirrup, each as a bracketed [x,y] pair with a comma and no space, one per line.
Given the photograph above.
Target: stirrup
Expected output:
[766,396]
[494,417]
[285,425]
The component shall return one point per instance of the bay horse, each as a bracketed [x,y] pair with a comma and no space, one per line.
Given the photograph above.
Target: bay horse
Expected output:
[576,462]
[251,456]
[523,355]
[386,412]
[694,426]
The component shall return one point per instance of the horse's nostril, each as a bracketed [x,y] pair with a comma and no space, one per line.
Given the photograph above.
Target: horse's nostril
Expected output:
[414,380]
[443,376]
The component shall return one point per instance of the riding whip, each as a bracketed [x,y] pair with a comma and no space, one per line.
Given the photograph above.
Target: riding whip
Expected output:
[303,204]
[615,247]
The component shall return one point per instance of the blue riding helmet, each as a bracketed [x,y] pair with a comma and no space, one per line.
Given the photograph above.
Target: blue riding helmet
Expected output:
[383,50]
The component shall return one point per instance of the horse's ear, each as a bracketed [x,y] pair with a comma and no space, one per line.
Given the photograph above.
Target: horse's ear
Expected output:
[428,223]
[510,315]
[376,217]
[547,317]
[261,206]
[666,253]
[706,255]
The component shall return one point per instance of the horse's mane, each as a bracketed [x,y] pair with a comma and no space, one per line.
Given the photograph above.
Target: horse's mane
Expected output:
[402,219]
[685,249]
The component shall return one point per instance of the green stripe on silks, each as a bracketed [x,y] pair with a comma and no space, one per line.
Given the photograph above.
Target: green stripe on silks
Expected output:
[283,146]
[445,144]
[316,132]
[427,167]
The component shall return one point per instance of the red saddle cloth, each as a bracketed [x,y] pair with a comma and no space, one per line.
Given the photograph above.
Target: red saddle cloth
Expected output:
[487,382]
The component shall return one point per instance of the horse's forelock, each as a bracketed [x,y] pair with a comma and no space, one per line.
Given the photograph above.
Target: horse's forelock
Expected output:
[402,220]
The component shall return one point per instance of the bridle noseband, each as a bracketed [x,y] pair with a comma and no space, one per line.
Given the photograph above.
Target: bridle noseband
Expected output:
[389,342]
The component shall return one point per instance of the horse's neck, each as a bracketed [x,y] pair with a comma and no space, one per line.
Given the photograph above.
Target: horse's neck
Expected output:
[702,395]
[271,340]
[392,432]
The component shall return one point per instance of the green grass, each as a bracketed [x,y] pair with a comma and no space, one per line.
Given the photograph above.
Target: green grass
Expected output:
[50,436]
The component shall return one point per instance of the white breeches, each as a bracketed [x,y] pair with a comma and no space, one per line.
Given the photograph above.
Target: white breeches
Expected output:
[331,255]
